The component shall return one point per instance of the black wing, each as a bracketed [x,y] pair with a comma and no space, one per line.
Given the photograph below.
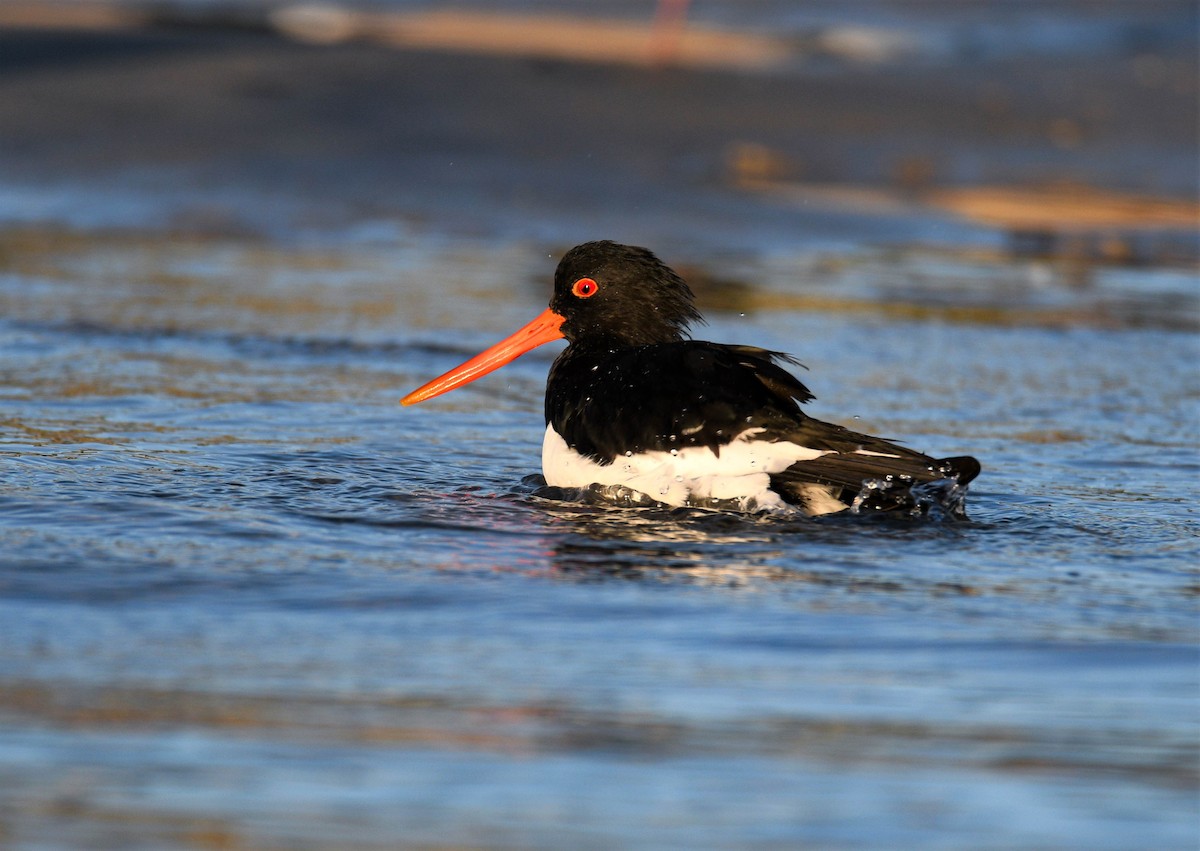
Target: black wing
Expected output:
[666,396]
[851,469]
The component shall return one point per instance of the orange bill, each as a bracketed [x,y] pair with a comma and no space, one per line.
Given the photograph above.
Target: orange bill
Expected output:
[543,329]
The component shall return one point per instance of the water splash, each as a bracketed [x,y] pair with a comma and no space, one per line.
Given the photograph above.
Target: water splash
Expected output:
[897,496]
[940,499]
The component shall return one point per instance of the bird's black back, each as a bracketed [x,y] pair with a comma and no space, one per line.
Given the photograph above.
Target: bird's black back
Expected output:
[608,402]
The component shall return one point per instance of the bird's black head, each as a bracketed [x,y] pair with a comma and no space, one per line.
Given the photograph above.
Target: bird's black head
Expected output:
[614,294]
[605,295]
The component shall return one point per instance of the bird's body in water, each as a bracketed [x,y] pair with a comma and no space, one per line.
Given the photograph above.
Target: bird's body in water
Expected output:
[633,405]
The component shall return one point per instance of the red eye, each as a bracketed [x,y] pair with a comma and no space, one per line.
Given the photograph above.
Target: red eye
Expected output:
[585,288]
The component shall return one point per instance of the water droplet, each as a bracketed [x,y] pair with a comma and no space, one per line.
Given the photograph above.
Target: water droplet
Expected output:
[628,453]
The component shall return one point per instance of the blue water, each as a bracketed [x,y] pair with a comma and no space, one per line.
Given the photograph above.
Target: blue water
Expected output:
[247,600]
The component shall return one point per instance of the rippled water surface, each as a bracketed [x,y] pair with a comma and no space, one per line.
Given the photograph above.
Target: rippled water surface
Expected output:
[246,600]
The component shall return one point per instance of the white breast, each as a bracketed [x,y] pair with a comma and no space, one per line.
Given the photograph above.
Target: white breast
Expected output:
[692,475]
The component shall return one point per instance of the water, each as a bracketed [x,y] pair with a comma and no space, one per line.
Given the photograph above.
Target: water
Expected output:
[247,600]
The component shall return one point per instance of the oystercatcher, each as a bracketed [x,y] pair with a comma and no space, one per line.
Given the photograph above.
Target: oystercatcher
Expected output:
[636,406]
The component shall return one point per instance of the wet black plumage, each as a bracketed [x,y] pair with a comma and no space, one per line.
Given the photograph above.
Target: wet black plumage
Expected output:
[632,381]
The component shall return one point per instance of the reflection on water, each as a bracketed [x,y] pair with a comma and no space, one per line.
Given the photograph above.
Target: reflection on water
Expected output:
[248,601]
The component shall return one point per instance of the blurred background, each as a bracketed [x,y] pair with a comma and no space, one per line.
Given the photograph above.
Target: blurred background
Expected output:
[707,126]
[247,601]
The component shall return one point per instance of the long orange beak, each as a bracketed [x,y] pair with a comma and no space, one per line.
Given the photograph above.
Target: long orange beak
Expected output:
[541,330]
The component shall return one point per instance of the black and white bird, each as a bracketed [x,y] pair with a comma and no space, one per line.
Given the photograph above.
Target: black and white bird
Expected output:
[633,402]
